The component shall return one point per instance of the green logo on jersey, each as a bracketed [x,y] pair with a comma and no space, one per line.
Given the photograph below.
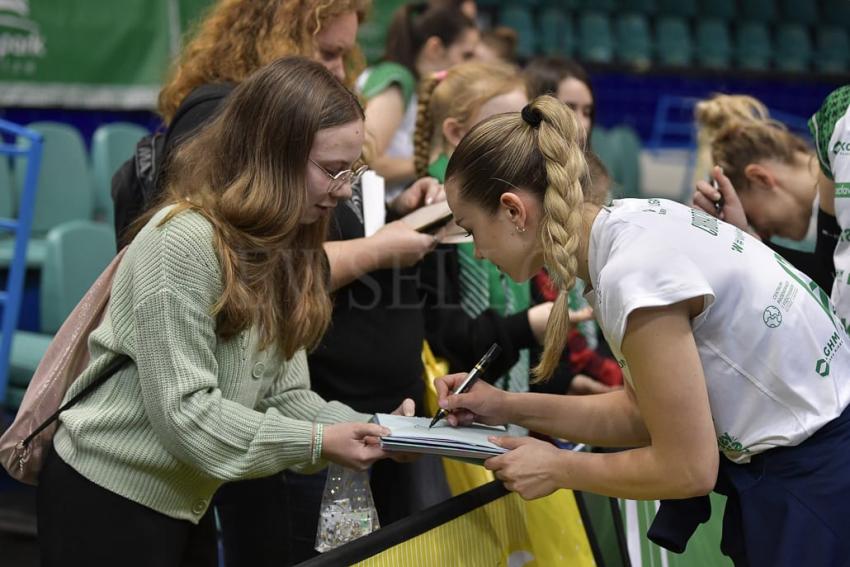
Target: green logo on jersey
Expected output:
[822,368]
[841,147]
[730,444]
[704,221]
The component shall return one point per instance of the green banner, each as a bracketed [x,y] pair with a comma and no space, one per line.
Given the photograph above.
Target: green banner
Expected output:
[87,53]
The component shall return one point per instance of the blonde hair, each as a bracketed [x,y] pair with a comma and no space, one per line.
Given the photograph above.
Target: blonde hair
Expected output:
[541,149]
[458,93]
[735,131]
[237,37]
[246,173]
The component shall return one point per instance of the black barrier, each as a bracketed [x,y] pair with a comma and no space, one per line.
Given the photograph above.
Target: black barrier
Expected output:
[600,516]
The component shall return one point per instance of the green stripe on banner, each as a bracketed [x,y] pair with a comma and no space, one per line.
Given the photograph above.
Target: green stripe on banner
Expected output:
[842,190]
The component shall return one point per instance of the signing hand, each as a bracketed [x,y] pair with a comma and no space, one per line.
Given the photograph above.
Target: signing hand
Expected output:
[424,191]
[482,403]
[705,196]
[528,468]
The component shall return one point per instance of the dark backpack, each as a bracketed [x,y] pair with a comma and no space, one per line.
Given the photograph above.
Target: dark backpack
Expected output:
[136,185]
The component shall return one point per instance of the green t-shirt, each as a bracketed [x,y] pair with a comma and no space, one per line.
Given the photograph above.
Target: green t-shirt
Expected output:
[384,75]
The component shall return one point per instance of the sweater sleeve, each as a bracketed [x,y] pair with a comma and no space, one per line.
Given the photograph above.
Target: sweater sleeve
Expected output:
[292,397]
[177,281]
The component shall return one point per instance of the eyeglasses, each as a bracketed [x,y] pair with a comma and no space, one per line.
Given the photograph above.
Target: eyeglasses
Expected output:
[339,179]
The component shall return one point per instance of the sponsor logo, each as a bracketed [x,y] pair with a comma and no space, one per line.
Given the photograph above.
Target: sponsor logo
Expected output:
[704,222]
[771,316]
[841,147]
[22,44]
[730,444]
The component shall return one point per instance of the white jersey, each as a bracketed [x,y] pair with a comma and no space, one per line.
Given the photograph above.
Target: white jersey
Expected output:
[830,128]
[775,357]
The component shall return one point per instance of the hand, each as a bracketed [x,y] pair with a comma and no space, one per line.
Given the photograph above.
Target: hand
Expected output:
[407,408]
[423,192]
[353,445]
[482,403]
[582,385]
[528,468]
[538,316]
[705,196]
[582,315]
[400,245]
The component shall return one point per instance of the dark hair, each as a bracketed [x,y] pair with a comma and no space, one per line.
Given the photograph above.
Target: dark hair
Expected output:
[414,23]
[544,74]
[503,41]
[246,172]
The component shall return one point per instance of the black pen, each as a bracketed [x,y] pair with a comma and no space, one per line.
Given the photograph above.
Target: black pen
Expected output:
[473,375]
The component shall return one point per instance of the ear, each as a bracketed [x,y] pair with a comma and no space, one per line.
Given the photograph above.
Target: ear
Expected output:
[515,209]
[760,177]
[453,131]
[432,49]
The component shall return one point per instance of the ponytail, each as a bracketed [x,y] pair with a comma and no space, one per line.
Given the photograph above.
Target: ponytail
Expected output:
[424,132]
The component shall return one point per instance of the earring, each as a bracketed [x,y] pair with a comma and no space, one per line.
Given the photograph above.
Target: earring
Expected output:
[519,229]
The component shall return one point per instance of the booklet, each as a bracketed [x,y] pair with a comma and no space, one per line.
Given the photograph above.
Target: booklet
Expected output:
[411,434]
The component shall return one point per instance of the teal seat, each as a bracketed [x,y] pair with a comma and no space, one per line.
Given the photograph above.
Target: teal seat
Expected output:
[753,46]
[555,29]
[626,147]
[7,195]
[805,13]
[760,10]
[645,7]
[64,180]
[677,8]
[518,17]
[713,44]
[634,44]
[111,146]
[835,12]
[604,146]
[832,49]
[793,49]
[607,6]
[76,253]
[673,42]
[596,44]
[725,10]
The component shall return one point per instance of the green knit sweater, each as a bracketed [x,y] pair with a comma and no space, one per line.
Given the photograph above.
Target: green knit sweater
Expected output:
[191,411]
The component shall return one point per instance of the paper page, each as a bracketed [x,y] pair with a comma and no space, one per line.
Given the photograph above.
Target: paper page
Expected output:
[414,430]
[374,209]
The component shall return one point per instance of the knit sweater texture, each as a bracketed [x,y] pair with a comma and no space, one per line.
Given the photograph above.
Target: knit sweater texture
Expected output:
[191,410]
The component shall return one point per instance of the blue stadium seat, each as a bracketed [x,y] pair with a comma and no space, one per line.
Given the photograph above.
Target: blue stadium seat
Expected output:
[833,49]
[518,17]
[673,41]
[793,48]
[760,10]
[634,43]
[678,8]
[596,43]
[557,36]
[713,44]
[753,46]
[721,9]
[111,146]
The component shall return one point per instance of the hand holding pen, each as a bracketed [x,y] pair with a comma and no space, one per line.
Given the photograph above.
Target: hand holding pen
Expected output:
[463,398]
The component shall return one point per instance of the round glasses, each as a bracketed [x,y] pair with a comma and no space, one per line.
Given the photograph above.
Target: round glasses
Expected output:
[339,179]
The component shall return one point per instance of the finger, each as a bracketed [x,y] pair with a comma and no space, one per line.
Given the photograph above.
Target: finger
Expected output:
[362,430]
[510,442]
[408,407]
[724,184]
[372,440]
[704,204]
[707,190]
[432,191]
[494,464]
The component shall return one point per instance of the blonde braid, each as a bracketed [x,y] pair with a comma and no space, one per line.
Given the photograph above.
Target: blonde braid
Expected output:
[424,128]
[560,141]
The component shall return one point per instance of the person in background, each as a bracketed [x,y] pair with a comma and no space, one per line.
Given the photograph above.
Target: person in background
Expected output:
[723,344]
[567,81]
[497,45]
[216,300]
[235,38]
[421,40]
[768,177]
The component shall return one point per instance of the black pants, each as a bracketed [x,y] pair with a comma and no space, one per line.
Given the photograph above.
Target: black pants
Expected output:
[82,524]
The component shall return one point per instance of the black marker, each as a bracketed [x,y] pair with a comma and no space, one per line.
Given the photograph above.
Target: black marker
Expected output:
[718,204]
[473,375]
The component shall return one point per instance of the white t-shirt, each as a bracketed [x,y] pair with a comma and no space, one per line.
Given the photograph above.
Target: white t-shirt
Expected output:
[776,359]
[830,128]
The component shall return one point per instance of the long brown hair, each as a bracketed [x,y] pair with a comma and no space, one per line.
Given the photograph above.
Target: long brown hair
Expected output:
[546,156]
[246,172]
[237,37]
